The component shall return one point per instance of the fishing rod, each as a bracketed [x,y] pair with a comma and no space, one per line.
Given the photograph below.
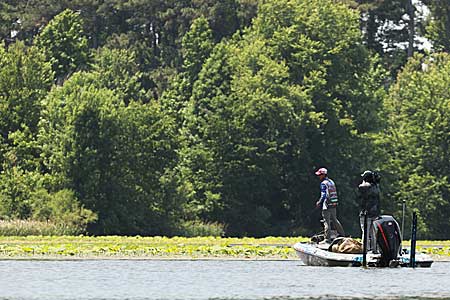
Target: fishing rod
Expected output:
[412,257]
[403,218]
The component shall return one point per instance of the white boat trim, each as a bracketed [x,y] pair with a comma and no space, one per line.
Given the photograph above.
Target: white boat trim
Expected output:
[318,255]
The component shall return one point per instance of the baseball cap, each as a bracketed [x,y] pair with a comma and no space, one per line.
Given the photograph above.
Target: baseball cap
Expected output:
[321,171]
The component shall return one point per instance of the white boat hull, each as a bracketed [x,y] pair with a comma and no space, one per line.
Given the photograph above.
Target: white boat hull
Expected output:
[318,255]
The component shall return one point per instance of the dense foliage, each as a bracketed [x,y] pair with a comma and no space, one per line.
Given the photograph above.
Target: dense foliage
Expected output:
[418,138]
[210,117]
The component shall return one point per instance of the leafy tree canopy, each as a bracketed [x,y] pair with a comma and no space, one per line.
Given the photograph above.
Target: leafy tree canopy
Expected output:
[418,140]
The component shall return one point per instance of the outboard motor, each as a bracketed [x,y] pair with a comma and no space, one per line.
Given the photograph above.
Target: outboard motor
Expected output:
[388,237]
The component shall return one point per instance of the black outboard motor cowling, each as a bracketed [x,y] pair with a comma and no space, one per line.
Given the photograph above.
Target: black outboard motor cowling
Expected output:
[388,238]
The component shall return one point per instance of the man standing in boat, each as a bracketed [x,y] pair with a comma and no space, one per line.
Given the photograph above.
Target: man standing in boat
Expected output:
[328,202]
[369,194]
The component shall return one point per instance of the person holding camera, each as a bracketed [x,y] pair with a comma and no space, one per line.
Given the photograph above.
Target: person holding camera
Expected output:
[369,195]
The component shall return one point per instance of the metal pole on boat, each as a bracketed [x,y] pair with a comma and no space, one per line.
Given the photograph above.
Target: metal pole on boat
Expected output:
[403,218]
[412,257]
[365,238]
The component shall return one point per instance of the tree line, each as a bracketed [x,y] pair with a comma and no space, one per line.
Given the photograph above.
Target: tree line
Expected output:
[154,117]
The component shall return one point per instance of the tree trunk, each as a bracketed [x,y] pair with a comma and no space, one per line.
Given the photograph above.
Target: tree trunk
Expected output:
[411,29]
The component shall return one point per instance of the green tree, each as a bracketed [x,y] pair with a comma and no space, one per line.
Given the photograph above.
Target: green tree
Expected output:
[7,20]
[22,20]
[266,110]
[416,142]
[197,45]
[197,168]
[114,157]
[64,45]
[223,16]
[120,73]
[438,29]
[391,28]
[76,140]
[152,29]
[16,186]
[147,157]
[25,79]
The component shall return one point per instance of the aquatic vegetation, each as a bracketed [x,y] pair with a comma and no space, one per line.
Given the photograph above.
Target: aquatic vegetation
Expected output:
[434,247]
[165,247]
[158,247]
[441,248]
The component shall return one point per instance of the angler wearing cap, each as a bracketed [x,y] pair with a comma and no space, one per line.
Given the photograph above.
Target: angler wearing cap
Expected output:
[328,202]
[369,194]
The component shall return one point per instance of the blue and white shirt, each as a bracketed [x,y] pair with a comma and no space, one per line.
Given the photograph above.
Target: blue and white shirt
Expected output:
[328,193]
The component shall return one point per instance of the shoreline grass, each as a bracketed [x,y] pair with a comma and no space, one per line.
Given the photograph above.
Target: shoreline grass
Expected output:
[120,247]
[40,228]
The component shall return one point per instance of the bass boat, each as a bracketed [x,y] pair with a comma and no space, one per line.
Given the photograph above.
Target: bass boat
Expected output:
[346,252]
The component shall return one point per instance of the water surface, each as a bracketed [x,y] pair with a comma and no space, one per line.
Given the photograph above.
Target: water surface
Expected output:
[215,279]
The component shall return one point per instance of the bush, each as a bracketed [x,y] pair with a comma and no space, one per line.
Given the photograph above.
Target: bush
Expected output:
[16,186]
[200,228]
[61,208]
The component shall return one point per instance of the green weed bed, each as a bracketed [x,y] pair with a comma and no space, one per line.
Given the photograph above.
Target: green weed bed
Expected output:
[440,248]
[42,247]
[146,247]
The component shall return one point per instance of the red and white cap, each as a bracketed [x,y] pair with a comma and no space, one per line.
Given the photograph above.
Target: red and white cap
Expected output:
[321,171]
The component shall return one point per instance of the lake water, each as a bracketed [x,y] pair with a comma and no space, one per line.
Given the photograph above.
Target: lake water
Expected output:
[215,279]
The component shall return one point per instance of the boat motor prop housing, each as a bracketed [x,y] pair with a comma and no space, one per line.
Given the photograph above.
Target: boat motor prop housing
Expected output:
[388,237]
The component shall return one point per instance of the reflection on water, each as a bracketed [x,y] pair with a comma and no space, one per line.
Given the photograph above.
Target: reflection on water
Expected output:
[215,279]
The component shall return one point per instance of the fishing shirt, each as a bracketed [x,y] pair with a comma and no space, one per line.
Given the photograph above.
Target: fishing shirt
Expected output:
[328,193]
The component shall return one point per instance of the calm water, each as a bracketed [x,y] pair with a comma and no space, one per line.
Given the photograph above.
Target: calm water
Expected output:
[150,279]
